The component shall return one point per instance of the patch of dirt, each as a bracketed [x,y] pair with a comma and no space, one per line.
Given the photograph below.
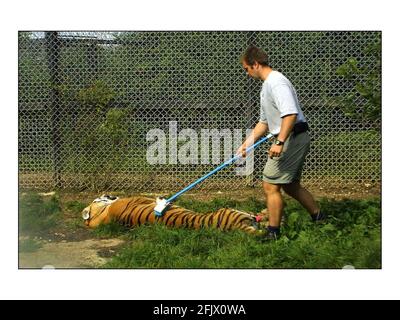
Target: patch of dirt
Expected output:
[90,253]
[106,252]
[350,192]
[62,234]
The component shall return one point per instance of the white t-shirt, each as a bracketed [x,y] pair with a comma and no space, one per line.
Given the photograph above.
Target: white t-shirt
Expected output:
[278,98]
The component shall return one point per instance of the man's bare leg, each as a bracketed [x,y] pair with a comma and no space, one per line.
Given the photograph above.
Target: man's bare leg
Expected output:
[274,203]
[302,195]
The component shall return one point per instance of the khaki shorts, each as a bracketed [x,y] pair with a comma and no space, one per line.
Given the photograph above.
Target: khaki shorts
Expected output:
[288,166]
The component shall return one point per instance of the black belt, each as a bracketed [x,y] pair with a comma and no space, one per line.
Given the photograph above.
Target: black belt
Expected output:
[298,128]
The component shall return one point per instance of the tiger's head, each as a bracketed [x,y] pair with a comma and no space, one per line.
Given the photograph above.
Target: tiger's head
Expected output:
[97,212]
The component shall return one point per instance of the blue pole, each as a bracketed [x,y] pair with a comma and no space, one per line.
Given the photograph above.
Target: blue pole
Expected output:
[226,163]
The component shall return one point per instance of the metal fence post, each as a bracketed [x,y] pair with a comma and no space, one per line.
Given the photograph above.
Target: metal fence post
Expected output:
[53,57]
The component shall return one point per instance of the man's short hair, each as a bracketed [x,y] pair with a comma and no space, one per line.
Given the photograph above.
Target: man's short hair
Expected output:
[254,54]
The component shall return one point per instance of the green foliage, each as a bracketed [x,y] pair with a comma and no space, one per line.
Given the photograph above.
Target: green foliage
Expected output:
[75,206]
[112,229]
[101,141]
[114,129]
[28,245]
[352,236]
[33,73]
[363,102]
[37,214]
[111,132]
[96,96]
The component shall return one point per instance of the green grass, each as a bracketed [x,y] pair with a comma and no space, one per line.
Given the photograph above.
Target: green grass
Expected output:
[352,236]
[37,214]
[29,245]
[75,206]
[112,229]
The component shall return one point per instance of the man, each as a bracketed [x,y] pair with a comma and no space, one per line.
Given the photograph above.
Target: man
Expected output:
[280,114]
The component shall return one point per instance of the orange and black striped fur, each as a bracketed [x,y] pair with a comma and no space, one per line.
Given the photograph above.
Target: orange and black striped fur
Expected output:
[136,211]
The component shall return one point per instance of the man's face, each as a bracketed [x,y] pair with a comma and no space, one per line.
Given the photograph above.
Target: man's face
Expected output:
[252,71]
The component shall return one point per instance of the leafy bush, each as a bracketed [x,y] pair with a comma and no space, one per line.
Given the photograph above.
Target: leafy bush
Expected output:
[96,96]
[101,141]
[363,102]
[37,214]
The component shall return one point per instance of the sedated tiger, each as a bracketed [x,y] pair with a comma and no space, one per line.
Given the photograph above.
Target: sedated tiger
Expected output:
[136,211]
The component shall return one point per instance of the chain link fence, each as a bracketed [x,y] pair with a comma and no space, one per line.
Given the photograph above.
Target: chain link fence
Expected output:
[87,100]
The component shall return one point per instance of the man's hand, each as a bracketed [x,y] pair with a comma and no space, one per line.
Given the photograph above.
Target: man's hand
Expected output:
[275,151]
[242,151]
